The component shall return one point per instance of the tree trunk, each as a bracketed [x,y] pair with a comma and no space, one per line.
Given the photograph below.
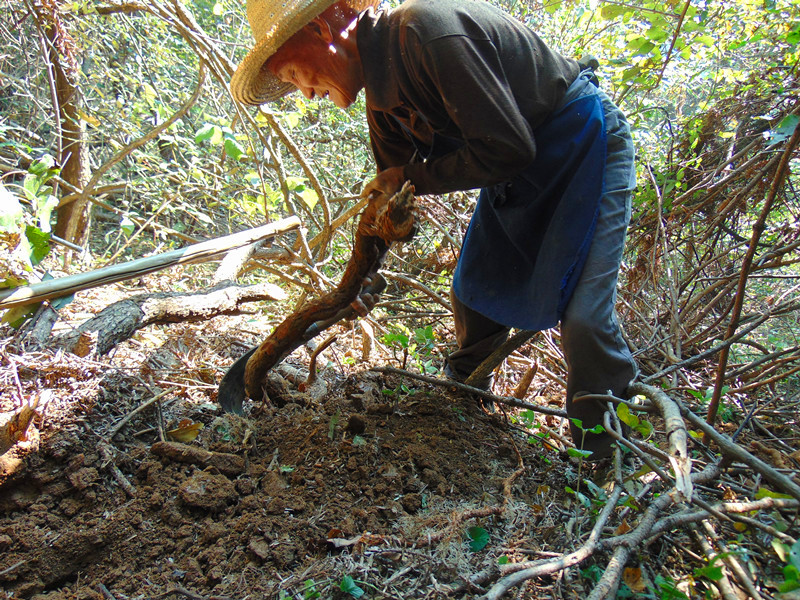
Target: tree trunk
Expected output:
[73,219]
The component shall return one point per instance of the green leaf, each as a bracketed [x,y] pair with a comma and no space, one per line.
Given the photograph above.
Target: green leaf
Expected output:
[781,549]
[765,493]
[578,423]
[792,577]
[630,73]
[624,414]
[583,499]
[309,197]
[42,166]
[209,132]
[552,7]
[668,590]
[11,212]
[296,184]
[348,586]
[479,538]
[233,149]
[59,303]
[656,34]
[794,555]
[39,242]
[612,11]
[31,185]
[46,203]
[19,314]
[292,119]
[395,339]
[127,226]
[310,590]
[784,129]
[596,490]
[592,572]
[645,429]
[597,429]
[576,453]
[706,40]
[709,572]
[503,560]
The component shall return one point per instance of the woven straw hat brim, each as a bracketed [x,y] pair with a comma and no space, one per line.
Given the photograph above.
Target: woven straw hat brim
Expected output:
[253,83]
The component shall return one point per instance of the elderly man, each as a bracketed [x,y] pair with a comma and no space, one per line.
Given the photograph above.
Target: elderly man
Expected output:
[460,95]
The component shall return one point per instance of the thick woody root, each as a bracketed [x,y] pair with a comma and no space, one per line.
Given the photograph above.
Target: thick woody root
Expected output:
[383,222]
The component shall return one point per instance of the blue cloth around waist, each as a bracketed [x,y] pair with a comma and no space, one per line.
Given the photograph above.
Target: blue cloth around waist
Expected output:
[527,242]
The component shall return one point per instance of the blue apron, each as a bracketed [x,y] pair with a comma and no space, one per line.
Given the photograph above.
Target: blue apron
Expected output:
[528,239]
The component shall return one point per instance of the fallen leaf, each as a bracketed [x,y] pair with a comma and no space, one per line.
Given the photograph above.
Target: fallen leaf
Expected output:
[632,577]
[186,431]
[623,528]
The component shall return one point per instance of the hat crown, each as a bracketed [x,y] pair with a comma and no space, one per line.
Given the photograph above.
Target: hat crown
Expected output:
[263,15]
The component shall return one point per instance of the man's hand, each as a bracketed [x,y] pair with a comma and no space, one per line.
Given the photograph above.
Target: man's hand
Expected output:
[366,301]
[387,183]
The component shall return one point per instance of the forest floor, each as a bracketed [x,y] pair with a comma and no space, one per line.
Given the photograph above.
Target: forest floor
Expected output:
[372,486]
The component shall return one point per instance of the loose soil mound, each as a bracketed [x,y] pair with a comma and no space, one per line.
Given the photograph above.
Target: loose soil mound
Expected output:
[375,480]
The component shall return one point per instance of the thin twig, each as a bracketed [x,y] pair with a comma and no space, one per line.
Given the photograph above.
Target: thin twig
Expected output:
[115,430]
[545,410]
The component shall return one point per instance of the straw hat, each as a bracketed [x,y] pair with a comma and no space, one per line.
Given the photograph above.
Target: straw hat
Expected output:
[273,22]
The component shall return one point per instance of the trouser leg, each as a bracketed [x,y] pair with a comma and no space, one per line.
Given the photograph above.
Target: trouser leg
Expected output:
[598,359]
[477,336]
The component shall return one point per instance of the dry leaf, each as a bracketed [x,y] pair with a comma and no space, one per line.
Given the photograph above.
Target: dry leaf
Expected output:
[623,528]
[186,432]
[632,577]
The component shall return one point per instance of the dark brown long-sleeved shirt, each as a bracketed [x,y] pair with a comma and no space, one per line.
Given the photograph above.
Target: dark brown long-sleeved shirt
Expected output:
[465,70]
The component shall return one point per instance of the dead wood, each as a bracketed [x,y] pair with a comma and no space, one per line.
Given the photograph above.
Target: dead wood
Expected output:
[225,463]
[122,319]
[492,361]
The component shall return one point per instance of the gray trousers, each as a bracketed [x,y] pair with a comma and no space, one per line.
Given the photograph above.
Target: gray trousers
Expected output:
[598,359]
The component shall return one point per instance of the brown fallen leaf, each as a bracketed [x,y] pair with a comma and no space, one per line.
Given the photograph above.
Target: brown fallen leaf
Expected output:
[622,529]
[632,577]
[185,432]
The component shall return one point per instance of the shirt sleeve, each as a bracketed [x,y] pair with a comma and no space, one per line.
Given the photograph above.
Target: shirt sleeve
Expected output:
[468,77]
[391,147]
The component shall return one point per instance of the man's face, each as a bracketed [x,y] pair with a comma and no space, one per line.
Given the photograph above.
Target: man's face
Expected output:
[318,68]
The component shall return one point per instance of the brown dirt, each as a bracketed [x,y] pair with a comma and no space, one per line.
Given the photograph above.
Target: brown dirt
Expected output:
[404,465]
[365,476]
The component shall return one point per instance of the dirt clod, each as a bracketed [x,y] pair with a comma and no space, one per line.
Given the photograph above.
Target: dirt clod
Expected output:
[208,492]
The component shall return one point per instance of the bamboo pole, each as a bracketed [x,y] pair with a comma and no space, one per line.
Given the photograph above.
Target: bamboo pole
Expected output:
[204,251]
